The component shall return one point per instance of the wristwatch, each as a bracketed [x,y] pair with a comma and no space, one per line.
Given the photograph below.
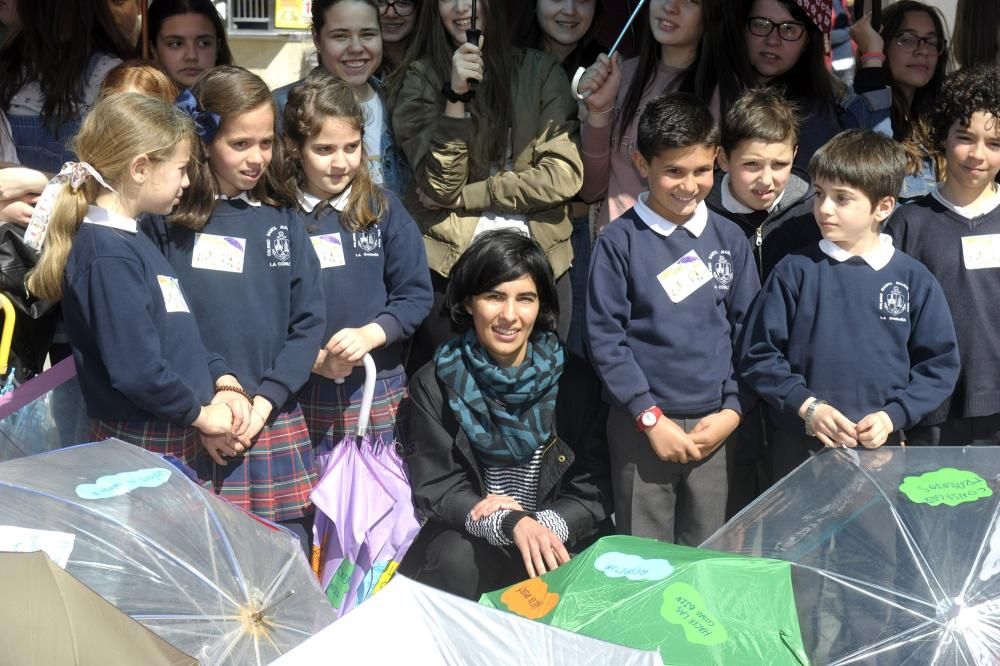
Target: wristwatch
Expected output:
[648,418]
[810,412]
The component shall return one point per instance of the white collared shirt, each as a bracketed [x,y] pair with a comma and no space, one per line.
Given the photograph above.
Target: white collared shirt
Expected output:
[969,212]
[734,205]
[109,218]
[878,257]
[308,202]
[661,225]
[244,195]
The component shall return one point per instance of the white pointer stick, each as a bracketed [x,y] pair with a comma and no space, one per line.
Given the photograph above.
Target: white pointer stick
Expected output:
[614,47]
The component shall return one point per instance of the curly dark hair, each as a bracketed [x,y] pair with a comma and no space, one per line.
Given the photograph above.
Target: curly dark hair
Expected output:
[964,93]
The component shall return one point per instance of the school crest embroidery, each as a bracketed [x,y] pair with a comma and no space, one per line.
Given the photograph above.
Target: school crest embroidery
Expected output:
[721,264]
[367,243]
[894,301]
[279,250]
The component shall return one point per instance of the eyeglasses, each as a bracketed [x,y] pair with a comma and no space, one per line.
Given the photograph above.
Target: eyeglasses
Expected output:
[788,31]
[911,42]
[402,7]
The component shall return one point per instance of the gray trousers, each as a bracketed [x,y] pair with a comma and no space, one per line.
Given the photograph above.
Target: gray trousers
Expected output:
[669,501]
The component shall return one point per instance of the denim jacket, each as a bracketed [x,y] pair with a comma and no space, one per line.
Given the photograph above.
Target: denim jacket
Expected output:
[396,171]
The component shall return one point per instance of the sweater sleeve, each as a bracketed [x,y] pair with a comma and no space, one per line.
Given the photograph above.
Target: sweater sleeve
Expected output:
[407,277]
[742,292]
[607,318]
[762,361]
[118,309]
[306,321]
[444,485]
[437,146]
[596,144]
[934,360]
[556,171]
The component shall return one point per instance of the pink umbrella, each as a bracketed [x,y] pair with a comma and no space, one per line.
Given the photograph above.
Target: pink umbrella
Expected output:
[365,520]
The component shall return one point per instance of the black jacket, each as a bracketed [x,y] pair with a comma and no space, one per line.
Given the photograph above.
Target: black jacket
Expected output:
[789,227]
[447,479]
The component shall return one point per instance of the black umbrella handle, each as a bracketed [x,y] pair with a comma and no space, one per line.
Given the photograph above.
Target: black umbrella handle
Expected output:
[472,36]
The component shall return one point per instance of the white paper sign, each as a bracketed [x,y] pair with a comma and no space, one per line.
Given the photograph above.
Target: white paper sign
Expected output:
[57,545]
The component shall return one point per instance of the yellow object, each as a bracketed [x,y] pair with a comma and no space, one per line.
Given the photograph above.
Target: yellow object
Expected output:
[8,333]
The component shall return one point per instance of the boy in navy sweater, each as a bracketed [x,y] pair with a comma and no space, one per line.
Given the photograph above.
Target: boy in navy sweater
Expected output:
[955,232]
[849,341]
[772,204]
[670,282]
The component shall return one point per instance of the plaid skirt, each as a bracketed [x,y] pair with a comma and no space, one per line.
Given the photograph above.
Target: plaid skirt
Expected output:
[274,478]
[165,439]
[332,410]
[271,480]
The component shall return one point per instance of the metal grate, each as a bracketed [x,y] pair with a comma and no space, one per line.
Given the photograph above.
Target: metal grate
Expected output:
[251,15]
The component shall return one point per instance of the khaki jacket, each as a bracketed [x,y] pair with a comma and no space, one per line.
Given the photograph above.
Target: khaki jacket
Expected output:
[547,173]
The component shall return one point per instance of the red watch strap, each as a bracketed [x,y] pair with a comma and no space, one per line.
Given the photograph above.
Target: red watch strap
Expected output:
[655,411]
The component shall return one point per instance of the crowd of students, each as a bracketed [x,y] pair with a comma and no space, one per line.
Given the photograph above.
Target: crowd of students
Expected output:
[669,286]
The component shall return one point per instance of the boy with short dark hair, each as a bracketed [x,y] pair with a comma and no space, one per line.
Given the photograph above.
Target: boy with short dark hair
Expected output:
[762,193]
[955,232]
[850,341]
[670,282]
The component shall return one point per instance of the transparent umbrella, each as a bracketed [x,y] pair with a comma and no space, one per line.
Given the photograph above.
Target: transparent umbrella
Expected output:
[895,553]
[212,580]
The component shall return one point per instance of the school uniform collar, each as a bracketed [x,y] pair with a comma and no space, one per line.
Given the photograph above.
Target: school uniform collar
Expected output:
[734,205]
[878,257]
[308,202]
[665,227]
[968,212]
[242,196]
[109,218]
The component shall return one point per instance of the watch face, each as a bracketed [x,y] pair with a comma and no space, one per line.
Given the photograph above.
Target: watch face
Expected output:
[648,419]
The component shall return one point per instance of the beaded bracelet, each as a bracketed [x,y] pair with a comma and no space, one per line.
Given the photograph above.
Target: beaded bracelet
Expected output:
[234,389]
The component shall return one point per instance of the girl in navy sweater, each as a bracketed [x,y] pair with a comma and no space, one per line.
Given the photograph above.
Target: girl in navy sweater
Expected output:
[145,373]
[371,252]
[251,273]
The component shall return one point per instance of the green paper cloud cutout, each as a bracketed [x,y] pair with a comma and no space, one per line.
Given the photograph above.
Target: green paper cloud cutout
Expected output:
[947,485]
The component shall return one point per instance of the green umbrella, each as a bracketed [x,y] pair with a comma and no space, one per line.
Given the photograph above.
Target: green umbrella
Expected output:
[49,617]
[694,606]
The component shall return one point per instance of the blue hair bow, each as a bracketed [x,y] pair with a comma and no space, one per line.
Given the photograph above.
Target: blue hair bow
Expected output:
[206,123]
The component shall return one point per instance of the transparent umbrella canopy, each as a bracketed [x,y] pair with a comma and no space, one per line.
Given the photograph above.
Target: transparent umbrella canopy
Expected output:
[895,553]
[212,580]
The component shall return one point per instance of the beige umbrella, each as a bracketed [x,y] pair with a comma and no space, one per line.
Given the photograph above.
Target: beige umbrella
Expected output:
[49,617]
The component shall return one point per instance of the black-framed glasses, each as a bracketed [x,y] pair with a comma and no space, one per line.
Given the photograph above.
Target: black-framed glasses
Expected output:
[790,31]
[911,41]
[402,7]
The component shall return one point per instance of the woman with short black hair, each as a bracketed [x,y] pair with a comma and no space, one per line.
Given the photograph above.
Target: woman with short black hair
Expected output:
[508,462]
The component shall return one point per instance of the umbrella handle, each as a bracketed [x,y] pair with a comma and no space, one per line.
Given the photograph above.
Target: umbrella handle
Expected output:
[575,86]
[367,395]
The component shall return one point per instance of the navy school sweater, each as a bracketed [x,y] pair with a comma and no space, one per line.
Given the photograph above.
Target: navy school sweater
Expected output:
[251,274]
[934,234]
[787,227]
[864,340]
[376,275]
[653,348]
[138,351]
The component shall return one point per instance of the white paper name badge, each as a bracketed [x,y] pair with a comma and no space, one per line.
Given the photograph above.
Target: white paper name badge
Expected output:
[172,296]
[981,251]
[218,253]
[329,249]
[684,276]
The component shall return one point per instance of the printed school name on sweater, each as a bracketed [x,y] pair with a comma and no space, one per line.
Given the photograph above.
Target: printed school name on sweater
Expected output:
[962,249]
[138,350]
[250,274]
[664,305]
[865,333]
[389,285]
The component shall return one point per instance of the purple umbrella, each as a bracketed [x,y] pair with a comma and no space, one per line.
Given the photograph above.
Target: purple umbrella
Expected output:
[365,520]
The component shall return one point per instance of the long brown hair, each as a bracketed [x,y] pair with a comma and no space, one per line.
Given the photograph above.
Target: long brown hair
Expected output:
[320,96]
[493,109]
[139,125]
[230,91]
[143,76]
[910,121]
[975,39]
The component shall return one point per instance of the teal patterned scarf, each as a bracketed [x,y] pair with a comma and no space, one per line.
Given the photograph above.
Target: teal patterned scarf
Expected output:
[506,413]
